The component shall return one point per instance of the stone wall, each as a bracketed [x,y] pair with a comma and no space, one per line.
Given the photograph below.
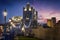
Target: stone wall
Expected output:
[39,32]
[43,33]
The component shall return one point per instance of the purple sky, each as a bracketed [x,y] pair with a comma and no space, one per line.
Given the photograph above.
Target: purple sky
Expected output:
[46,8]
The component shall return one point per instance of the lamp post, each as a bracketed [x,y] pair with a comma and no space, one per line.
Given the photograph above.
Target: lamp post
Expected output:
[5,14]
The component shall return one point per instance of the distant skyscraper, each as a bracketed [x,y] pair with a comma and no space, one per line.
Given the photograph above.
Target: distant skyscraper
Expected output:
[29,15]
[53,20]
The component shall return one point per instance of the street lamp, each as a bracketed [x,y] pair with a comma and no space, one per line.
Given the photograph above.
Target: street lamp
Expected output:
[5,14]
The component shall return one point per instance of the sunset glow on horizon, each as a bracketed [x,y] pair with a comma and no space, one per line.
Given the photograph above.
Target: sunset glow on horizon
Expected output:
[45,8]
[45,14]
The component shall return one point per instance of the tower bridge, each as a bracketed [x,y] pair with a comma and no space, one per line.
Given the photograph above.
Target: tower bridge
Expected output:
[30,16]
[29,19]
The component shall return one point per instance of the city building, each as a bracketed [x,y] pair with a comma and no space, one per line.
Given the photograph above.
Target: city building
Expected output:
[49,22]
[53,21]
[15,21]
[29,16]
[57,31]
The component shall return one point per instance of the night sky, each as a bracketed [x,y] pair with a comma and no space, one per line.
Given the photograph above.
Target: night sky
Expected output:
[46,8]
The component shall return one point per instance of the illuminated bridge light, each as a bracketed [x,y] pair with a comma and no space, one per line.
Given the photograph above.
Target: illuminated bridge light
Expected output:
[30,9]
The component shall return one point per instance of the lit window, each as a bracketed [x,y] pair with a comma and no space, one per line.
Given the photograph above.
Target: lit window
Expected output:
[10,20]
[29,9]
[25,9]
[23,29]
[27,18]
[35,12]
[18,19]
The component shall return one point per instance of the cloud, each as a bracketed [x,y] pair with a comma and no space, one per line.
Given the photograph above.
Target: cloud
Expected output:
[45,14]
